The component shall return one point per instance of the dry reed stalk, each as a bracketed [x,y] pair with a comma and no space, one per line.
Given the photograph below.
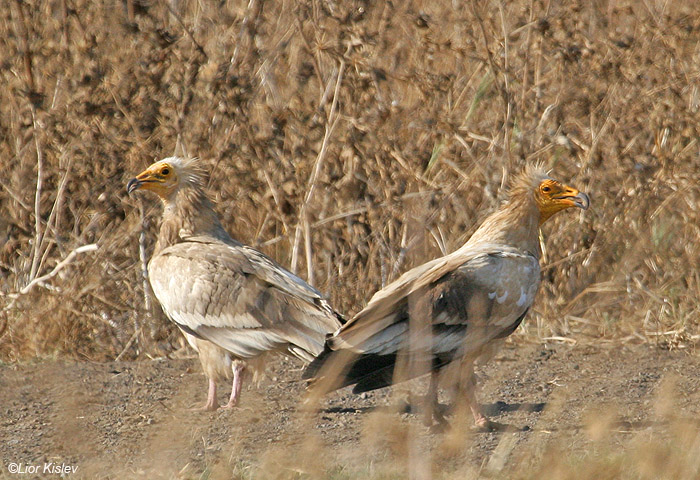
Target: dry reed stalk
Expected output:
[249,30]
[22,32]
[38,233]
[143,258]
[331,122]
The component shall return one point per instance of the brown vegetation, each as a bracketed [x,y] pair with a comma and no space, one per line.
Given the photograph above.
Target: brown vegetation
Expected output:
[352,141]
[359,138]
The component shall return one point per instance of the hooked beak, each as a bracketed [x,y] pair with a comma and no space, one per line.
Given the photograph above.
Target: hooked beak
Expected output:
[146,179]
[134,184]
[577,199]
[581,200]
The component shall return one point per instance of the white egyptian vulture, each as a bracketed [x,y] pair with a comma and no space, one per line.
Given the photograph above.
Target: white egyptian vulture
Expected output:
[232,303]
[451,310]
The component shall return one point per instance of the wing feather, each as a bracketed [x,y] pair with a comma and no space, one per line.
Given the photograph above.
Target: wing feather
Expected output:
[481,294]
[239,299]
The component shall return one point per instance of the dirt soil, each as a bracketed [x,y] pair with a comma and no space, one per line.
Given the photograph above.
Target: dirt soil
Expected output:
[132,419]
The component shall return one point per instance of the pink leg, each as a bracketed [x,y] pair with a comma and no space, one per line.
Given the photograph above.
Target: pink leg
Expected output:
[468,385]
[238,368]
[470,392]
[211,404]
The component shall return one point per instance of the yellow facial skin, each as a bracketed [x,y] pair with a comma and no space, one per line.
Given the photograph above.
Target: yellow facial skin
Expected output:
[160,178]
[553,196]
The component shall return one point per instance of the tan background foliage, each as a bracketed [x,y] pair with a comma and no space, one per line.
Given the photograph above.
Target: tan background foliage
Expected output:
[362,138]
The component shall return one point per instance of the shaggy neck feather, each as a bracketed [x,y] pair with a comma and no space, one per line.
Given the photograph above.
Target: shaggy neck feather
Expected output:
[188,212]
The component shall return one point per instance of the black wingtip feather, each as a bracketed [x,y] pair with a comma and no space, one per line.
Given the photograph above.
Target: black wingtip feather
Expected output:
[312,369]
[367,372]
[370,372]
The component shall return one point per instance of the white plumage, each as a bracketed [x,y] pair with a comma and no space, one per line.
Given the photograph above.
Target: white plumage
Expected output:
[233,304]
[454,309]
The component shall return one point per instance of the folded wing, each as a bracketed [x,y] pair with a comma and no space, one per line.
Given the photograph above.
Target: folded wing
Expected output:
[457,303]
[239,299]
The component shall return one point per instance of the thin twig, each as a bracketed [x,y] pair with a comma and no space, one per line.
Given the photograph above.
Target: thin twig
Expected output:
[187,31]
[59,266]
[23,32]
[308,251]
[526,60]
[36,254]
[506,88]
[16,197]
[128,345]
[276,197]
[191,75]
[54,216]
[349,213]
[248,26]
[566,259]
[144,259]
[130,17]
[65,39]
[558,338]
[489,55]
[26,54]
[316,64]
[331,123]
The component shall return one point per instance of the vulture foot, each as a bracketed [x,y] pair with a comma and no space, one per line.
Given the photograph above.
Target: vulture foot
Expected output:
[230,405]
[212,405]
[486,425]
[207,407]
[440,426]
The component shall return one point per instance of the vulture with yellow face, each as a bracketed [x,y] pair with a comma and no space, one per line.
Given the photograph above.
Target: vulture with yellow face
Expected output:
[452,310]
[232,303]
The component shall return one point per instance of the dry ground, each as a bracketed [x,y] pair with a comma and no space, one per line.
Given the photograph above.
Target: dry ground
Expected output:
[577,411]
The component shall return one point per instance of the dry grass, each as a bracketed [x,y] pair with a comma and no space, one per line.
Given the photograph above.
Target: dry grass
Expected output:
[391,449]
[358,139]
[362,138]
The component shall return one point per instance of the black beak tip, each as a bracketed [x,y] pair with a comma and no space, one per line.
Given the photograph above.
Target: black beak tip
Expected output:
[133,184]
[583,201]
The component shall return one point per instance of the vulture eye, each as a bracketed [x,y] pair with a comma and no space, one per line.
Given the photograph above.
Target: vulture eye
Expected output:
[165,171]
[546,189]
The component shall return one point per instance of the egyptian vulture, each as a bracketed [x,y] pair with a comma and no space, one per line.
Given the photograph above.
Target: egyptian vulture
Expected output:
[232,303]
[451,310]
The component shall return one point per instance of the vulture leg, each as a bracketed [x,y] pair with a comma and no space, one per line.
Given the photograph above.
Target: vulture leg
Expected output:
[431,400]
[432,407]
[211,404]
[468,386]
[238,368]
[470,392]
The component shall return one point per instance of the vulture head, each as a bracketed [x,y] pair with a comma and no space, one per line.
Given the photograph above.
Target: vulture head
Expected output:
[551,196]
[167,176]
